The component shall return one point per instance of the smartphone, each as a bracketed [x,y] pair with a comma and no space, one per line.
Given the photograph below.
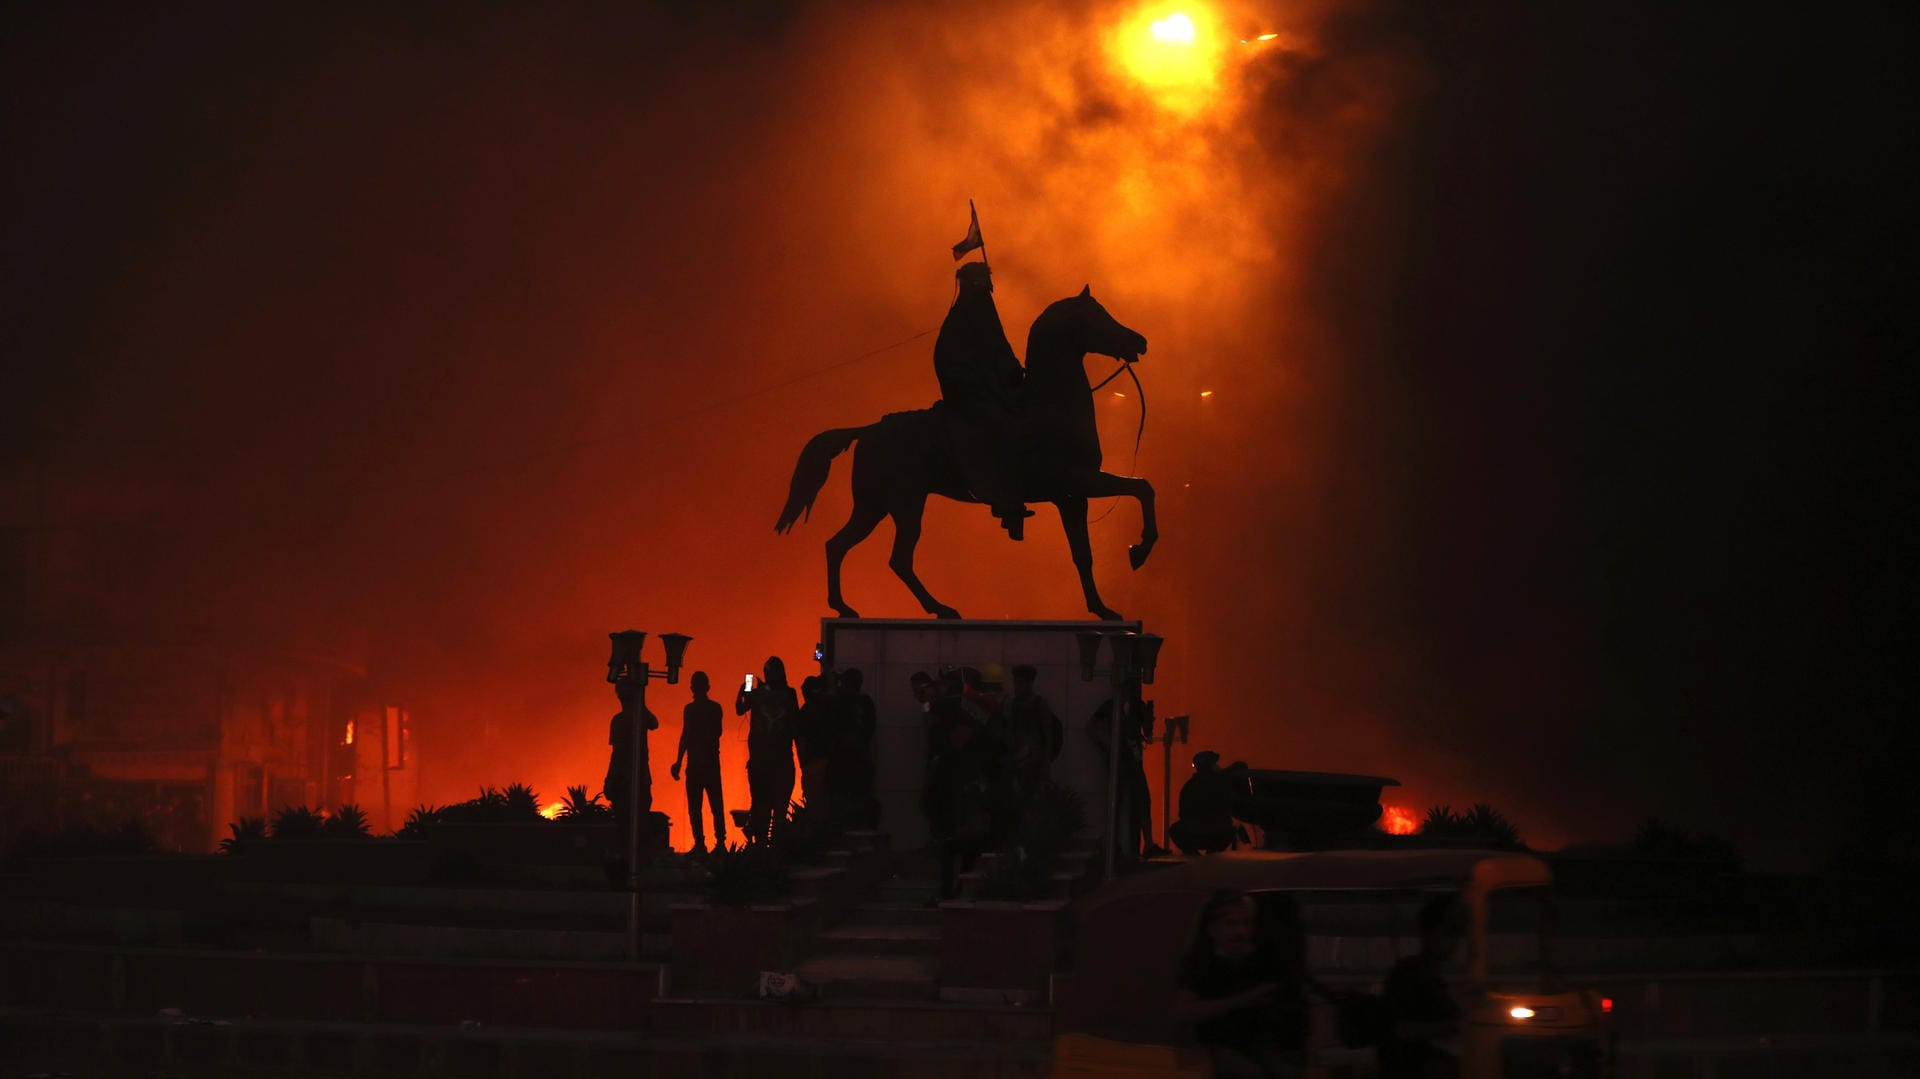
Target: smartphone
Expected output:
[748,685]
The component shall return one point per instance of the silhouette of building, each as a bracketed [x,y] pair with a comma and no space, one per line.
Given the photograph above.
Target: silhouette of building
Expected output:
[127,694]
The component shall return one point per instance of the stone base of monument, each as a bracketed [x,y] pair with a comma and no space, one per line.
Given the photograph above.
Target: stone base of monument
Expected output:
[889,651]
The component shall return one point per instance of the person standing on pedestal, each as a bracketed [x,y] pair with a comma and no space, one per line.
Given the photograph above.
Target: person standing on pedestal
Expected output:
[700,747]
[770,768]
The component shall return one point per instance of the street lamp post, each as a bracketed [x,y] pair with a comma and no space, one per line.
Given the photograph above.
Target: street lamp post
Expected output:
[1134,657]
[625,667]
[1174,725]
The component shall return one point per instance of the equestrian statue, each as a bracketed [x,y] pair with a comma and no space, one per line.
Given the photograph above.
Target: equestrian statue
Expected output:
[1002,435]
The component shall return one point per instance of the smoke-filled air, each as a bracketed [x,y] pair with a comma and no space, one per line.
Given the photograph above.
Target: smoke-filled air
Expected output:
[458,340]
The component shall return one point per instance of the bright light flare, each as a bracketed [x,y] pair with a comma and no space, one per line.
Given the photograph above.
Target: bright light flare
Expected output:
[552,812]
[1521,1012]
[1397,821]
[1177,56]
[1175,29]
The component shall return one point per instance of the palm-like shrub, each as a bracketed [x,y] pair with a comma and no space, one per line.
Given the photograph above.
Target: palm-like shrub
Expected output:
[521,803]
[582,807]
[418,821]
[245,830]
[745,876]
[297,822]
[349,823]
[1481,824]
[802,834]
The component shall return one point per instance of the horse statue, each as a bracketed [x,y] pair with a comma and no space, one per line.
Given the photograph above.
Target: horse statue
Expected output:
[905,457]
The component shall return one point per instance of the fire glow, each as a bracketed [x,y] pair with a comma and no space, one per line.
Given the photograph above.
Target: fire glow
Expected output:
[1397,821]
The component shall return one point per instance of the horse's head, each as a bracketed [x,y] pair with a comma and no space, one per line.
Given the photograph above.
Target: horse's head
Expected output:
[1104,334]
[1081,325]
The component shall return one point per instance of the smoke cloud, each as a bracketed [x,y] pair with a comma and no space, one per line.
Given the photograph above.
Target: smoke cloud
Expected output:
[471,336]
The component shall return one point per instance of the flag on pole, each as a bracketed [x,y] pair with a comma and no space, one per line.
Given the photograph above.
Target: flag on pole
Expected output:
[973,240]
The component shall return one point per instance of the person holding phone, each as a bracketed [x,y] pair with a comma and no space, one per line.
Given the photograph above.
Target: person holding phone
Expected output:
[770,769]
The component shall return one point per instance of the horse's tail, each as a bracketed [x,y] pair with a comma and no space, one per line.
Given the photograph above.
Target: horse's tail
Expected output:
[810,473]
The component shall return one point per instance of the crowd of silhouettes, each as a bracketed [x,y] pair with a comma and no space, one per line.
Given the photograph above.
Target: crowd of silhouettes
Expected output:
[828,726]
[986,755]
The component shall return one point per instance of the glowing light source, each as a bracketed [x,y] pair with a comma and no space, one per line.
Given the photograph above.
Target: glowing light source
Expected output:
[1175,55]
[1606,1005]
[1175,29]
[1266,37]
[552,812]
[1206,393]
[1521,1012]
[349,732]
[1397,821]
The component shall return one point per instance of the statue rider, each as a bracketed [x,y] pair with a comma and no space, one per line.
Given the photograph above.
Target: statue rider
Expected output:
[980,380]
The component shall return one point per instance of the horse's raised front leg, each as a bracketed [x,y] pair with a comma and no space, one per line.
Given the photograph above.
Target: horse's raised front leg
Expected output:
[1073,518]
[1108,485]
[858,527]
[906,535]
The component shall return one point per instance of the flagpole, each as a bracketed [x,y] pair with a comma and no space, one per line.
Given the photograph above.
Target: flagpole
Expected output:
[974,215]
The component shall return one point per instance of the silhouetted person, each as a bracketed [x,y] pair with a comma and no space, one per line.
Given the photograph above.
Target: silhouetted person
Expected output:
[1136,798]
[1034,733]
[618,785]
[1422,1042]
[1206,808]
[958,798]
[850,769]
[946,705]
[944,710]
[1242,996]
[770,750]
[980,379]
[700,724]
[813,737]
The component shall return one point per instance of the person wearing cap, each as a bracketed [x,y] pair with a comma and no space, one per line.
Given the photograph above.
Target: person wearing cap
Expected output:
[1206,808]
[980,379]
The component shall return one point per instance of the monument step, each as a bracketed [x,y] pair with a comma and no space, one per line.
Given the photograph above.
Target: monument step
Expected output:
[888,1020]
[868,841]
[879,938]
[873,977]
[897,912]
[477,942]
[909,889]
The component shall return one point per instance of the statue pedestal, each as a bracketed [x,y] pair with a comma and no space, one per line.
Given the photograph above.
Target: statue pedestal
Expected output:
[888,651]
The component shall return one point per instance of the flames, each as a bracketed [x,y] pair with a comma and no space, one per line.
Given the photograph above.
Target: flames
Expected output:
[552,811]
[1397,821]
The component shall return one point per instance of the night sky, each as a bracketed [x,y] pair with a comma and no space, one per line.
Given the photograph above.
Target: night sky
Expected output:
[1560,361]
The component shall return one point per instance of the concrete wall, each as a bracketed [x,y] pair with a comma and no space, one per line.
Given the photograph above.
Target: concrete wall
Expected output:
[887,652]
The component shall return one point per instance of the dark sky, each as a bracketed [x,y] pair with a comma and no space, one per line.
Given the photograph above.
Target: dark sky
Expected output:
[1562,356]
